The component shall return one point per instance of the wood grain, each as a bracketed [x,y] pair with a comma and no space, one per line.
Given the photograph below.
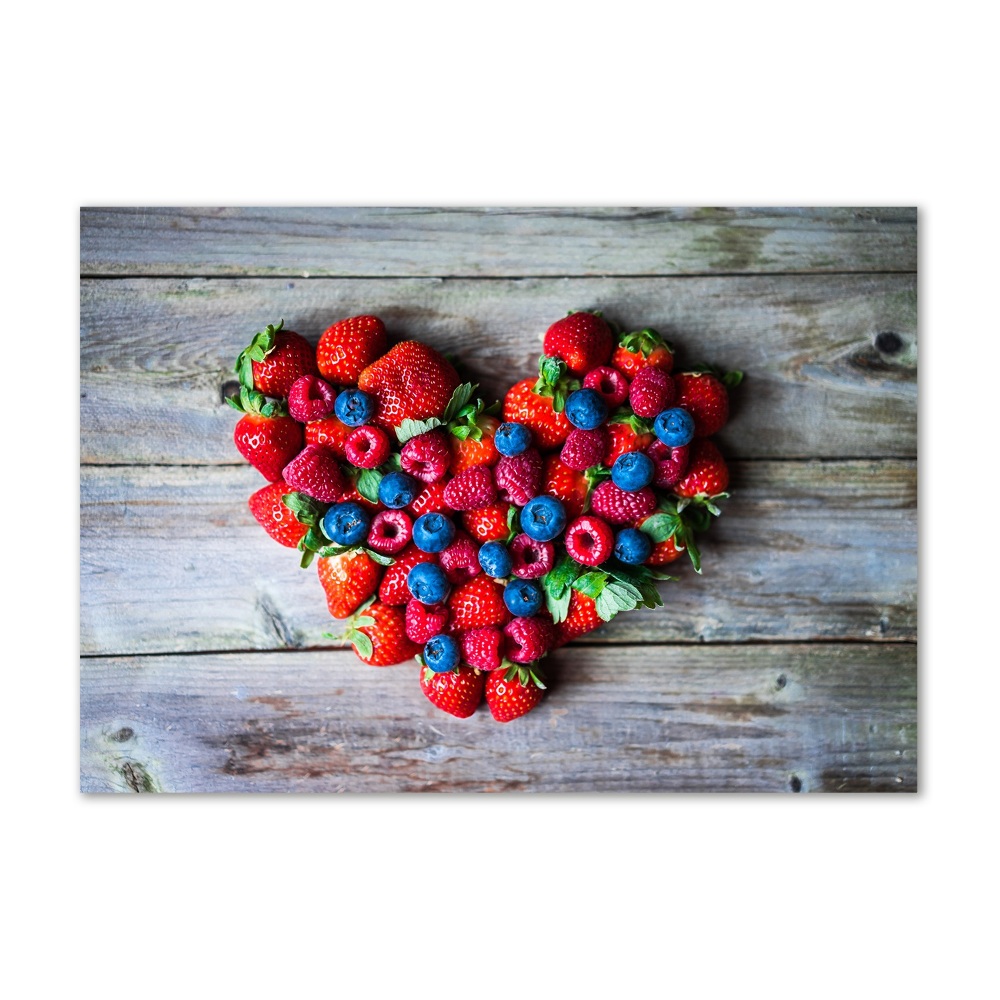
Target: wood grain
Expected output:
[756,718]
[511,242]
[171,560]
[157,355]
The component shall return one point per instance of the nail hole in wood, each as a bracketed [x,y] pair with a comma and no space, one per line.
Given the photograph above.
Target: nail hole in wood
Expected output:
[229,389]
[888,342]
[123,734]
[781,681]
[795,783]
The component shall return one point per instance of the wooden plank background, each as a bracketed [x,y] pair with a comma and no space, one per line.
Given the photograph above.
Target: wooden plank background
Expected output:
[205,666]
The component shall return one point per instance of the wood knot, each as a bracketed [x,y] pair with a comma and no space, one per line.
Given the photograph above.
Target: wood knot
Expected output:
[888,342]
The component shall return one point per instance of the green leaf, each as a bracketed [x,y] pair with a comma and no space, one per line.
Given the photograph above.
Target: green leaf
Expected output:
[558,579]
[591,584]
[392,464]
[459,398]
[661,526]
[558,606]
[379,557]
[732,379]
[361,642]
[368,483]
[258,349]
[414,428]
[307,509]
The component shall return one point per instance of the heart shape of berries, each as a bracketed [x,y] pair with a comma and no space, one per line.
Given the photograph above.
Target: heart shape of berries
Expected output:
[478,538]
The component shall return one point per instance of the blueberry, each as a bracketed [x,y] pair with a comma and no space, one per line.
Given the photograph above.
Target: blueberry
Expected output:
[354,407]
[495,559]
[586,409]
[511,439]
[442,652]
[675,428]
[346,523]
[632,471]
[543,518]
[398,489]
[427,583]
[523,598]
[433,532]
[633,546]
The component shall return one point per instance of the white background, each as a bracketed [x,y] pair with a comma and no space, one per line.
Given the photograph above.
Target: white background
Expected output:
[624,896]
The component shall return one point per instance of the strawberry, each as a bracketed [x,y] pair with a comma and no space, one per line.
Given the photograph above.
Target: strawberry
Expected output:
[581,618]
[487,524]
[329,432]
[315,471]
[472,444]
[664,552]
[265,435]
[620,506]
[522,405]
[707,475]
[512,693]
[349,346]
[393,589]
[378,634]
[457,692]
[276,519]
[645,348]
[627,433]
[430,500]
[471,489]
[518,477]
[582,339]
[477,603]
[704,395]
[348,580]
[274,360]
[482,648]
[410,382]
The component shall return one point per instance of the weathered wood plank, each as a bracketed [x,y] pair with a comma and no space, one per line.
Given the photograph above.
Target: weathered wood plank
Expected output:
[754,718]
[171,560]
[156,354]
[466,241]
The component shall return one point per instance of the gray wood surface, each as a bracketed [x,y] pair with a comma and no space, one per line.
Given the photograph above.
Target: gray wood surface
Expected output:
[156,355]
[789,665]
[472,242]
[172,560]
[813,717]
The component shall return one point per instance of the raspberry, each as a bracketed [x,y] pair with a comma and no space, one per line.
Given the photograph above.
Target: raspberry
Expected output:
[589,540]
[367,447]
[482,648]
[609,383]
[619,506]
[671,463]
[310,398]
[651,391]
[531,559]
[527,639]
[471,489]
[426,456]
[315,471]
[390,532]
[582,449]
[519,477]
[460,560]
[425,620]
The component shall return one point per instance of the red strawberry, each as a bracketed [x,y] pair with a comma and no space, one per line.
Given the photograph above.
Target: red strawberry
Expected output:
[581,618]
[518,477]
[393,589]
[527,639]
[411,382]
[663,552]
[620,506]
[274,360]
[471,489]
[425,620]
[430,500]
[457,692]
[349,346]
[707,475]
[522,405]
[316,472]
[582,339]
[487,524]
[476,603]
[609,383]
[565,484]
[589,540]
[426,456]
[531,559]
[460,560]
[643,349]
[583,449]
[329,432]
[482,648]
[631,434]
[705,397]
[367,447]
[379,636]
[471,449]
[511,693]
[348,581]
[265,435]
[651,391]
[277,520]
[310,398]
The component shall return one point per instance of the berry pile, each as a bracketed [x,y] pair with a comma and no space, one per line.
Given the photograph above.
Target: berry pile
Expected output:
[472,538]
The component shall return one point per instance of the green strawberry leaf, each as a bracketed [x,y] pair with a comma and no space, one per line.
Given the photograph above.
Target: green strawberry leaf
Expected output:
[459,398]
[558,606]
[307,509]
[360,641]
[559,579]
[392,464]
[661,526]
[591,584]
[379,557]
[257,350]
[368,483]
[732,379]
[413,428]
